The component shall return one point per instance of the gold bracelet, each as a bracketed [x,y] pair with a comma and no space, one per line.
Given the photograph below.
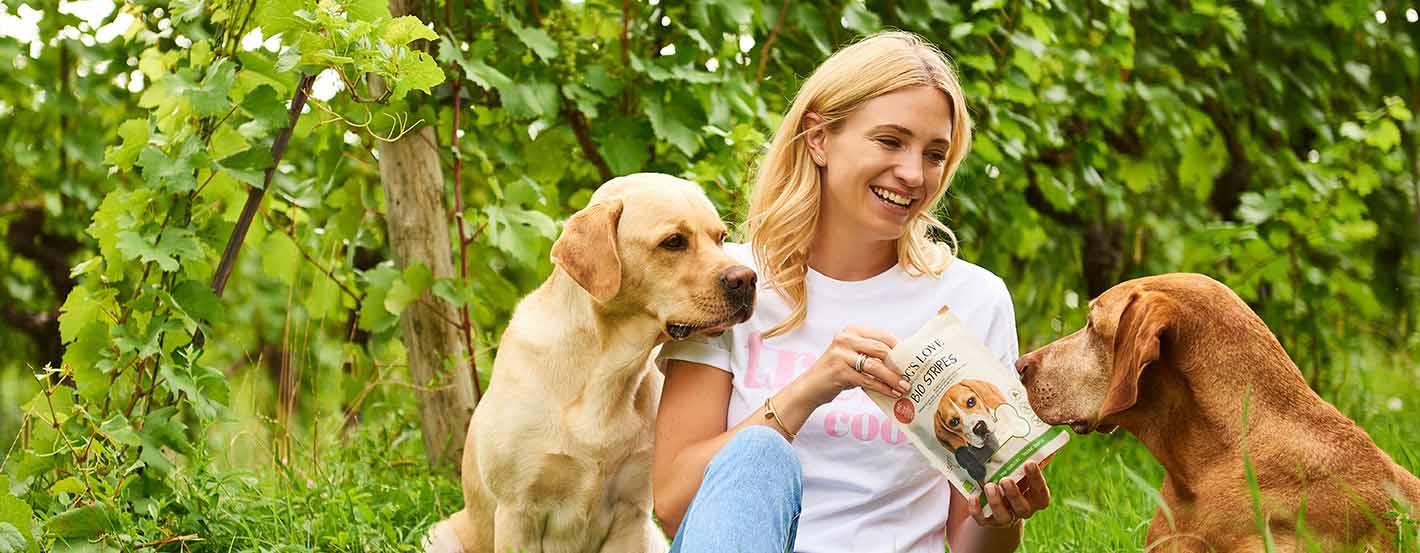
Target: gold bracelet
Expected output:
[771,415]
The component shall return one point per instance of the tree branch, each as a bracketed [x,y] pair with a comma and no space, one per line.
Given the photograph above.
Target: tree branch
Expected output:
[584,138]
[278,148]
[769,43]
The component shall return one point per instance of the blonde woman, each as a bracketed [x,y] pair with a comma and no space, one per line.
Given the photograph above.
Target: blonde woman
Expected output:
[765,440]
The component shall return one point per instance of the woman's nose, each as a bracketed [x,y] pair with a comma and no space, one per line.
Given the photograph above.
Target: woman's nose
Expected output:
[909,172]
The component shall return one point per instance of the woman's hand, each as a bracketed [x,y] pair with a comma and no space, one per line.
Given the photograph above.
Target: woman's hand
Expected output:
[837,369]
[1012,502]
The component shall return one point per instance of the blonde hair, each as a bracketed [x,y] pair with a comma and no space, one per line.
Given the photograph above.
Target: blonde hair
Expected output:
[784,205]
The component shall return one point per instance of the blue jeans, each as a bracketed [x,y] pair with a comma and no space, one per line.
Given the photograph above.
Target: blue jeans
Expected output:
[749,500]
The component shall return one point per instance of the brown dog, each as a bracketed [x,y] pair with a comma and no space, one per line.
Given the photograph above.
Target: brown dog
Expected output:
[1174,359]
[558,454]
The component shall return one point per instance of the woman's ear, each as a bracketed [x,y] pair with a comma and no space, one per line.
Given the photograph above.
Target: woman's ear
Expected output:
[815,135]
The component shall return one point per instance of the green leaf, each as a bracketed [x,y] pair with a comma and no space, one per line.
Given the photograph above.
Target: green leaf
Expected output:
[265,106]
[373,315]
[159,170]
[204,387]
[669,122]
[198,300]
[84,522]
[408,288]
[119,430]
[857,17]
[625,145]
[324,299]
[134,133]
[983,5]
[283,16]
[70,485]
[538,40]
[1138,174]
[280,257]
[87,357]
[406,29]
[11,540]
[227,141]
[530,99]
[519,232]
[16,514]
[174,245]
[83,306]
[210,99]
[1384,135]
[417,71]
[367,10]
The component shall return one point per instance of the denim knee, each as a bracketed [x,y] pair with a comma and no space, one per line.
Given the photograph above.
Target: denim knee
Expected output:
[766,455]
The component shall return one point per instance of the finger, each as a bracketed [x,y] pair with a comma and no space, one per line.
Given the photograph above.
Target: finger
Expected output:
[879,335]
[882,373]
[868,382]
[1000,512]
[1016,499]
[870,346]
[973,507]
[1036,490]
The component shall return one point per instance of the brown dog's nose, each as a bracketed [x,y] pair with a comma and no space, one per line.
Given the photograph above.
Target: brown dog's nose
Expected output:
[738,281]
[1024,366]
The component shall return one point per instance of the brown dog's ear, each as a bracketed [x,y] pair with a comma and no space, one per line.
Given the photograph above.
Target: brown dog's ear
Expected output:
[945,435]
[1137,341]
[986,392]
[587,249]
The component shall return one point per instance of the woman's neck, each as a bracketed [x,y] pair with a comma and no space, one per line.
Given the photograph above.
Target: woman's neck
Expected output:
[843,254]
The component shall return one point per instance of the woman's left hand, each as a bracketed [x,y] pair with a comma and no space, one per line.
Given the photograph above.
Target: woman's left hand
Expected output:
[1011,502]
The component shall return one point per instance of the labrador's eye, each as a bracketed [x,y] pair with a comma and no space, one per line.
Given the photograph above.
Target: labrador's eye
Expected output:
[955,422]
[676,242]
[722,237]
[970,402]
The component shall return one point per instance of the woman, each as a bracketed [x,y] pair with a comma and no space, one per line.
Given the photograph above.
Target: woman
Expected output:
[838,233]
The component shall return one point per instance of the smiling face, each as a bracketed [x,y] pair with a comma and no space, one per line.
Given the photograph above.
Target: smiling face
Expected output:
[884,162]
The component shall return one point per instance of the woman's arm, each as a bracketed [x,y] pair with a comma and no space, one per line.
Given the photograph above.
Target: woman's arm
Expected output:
[695,401]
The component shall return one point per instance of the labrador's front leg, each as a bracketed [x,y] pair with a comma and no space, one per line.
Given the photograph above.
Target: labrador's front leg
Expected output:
[633,530]
[516,530]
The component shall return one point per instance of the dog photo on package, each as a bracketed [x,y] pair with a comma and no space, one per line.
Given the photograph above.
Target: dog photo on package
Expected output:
[965,411]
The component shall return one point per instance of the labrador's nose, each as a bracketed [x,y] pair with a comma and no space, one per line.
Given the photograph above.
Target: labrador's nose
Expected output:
[738,282]
[980,428]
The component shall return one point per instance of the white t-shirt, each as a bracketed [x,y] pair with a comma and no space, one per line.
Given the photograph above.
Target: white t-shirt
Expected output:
[866,489]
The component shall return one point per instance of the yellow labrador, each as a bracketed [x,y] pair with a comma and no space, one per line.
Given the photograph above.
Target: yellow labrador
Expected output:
[558,454]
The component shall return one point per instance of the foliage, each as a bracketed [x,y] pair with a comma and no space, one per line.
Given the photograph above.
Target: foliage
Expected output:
[1270,145]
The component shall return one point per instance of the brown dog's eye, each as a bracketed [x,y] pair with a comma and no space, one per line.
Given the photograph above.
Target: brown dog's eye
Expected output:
[675,243]
[970,402]
[955,422]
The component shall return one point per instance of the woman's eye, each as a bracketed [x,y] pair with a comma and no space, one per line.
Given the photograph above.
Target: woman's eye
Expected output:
[937,157]
[889,142]
[675,242]
[954,422]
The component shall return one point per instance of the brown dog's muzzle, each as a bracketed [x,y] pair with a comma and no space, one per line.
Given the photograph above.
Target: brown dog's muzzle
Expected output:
[738,284]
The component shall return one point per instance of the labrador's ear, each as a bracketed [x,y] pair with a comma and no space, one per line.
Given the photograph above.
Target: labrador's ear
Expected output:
[587,249]
[1144,327]
[986,392]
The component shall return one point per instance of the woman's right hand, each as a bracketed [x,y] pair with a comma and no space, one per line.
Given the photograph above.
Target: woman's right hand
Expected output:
[833,372]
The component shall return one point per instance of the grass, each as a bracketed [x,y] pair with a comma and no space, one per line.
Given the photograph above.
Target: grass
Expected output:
[371,490]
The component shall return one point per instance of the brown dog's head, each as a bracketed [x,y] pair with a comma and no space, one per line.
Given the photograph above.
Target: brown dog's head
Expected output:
[1088,377]
[966,414]
[651,245]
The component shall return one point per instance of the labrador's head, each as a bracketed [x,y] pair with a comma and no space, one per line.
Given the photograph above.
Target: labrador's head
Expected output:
[651,244]
[1088,377]
[966,414]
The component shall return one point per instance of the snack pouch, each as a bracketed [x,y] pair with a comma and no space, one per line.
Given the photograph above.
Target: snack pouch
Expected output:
[965,411]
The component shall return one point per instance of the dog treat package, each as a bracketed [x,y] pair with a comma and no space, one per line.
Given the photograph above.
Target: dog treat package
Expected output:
[964,410]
